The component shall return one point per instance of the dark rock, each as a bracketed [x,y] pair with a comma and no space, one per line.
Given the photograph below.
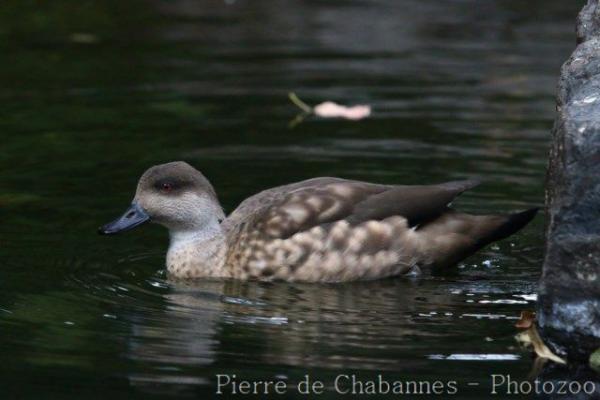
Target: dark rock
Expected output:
[587,22]
[569,302]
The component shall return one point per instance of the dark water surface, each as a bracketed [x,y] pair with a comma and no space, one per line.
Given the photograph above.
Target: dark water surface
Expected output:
[95,92]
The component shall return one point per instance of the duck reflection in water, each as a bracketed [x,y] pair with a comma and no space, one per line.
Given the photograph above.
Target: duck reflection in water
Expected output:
[280,324]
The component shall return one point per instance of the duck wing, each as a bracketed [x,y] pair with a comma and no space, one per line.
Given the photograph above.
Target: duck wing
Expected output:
[283,211]
[417,204]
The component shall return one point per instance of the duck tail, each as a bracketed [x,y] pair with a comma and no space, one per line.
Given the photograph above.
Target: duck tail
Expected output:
[455,236]
[509,225]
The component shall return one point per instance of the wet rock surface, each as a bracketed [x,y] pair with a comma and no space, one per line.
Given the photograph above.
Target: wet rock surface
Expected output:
[569,303]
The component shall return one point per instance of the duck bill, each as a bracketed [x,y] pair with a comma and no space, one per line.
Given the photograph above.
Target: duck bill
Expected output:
[133,216]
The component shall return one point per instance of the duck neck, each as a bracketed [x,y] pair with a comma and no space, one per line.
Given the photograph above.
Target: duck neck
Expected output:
[197,253]
[184,237]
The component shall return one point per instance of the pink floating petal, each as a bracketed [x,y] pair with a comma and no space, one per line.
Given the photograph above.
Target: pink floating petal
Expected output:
[358,112]
[330,109]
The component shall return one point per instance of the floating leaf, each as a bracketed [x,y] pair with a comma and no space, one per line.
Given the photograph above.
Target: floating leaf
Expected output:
[301,105]
[329,109]
[531,337]
[595,360]
[526,320]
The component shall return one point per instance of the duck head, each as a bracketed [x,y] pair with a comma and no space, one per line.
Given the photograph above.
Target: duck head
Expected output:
[174,195]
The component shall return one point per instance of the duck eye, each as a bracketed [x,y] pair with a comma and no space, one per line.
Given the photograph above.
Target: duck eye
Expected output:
[166,187]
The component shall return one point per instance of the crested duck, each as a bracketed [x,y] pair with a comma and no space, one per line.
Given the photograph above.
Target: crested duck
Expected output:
[318,230]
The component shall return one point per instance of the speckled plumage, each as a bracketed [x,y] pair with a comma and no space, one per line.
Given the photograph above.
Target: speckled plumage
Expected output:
[318,230]
[298,232]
